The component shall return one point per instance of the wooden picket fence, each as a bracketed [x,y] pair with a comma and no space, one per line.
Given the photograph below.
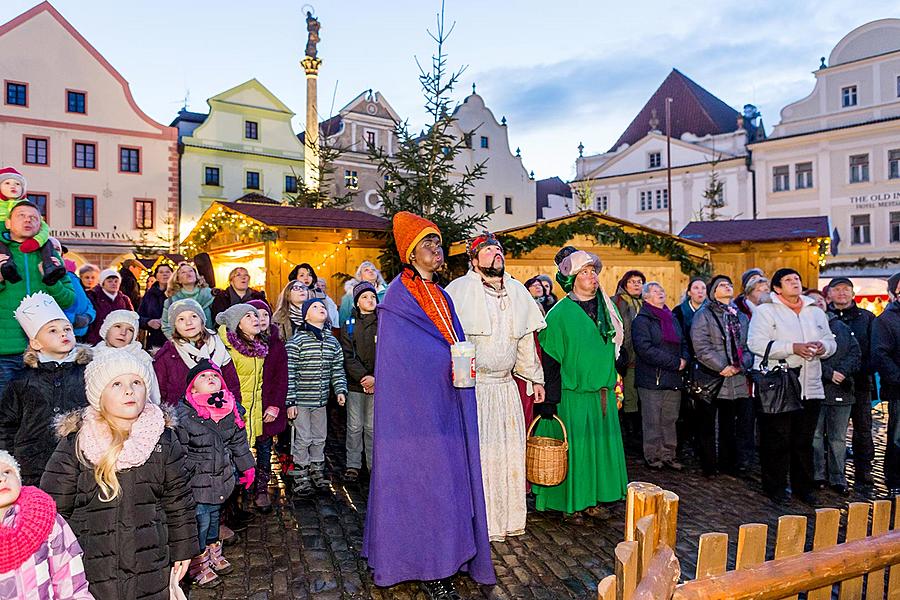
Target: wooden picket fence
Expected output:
[647,568]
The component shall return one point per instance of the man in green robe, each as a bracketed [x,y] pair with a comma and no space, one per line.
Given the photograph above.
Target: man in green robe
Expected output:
[580,344]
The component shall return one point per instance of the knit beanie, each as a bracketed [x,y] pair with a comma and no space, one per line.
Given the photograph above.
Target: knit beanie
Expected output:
[202,366]
[231,317]
[360,288]
[11,173]
[8,459]
[754,280]
[261,305]
[746,275]
[409,230]
[109,365]
[107,273]
[714,282]
[129,317]
[892,282]
[176,308]
[308,303]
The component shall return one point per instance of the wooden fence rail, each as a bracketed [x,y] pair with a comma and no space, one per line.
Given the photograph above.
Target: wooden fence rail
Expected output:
[647,568]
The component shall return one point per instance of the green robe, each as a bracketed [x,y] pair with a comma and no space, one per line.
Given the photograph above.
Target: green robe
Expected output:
[596,458]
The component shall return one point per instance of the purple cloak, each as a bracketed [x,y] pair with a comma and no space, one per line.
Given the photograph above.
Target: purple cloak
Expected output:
[426,514]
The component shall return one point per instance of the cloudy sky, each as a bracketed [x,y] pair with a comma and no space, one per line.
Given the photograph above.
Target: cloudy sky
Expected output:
[562,73]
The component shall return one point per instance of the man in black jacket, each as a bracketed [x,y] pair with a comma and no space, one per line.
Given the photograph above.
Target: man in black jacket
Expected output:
[859,320]
[237,292]
[886,361]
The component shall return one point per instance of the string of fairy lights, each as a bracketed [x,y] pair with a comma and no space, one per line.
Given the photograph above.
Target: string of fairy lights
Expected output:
[243,226]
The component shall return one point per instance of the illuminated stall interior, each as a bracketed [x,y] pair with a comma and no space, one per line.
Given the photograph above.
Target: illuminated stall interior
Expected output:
[270,239]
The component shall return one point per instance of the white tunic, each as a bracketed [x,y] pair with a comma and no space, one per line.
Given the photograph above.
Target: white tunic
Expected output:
[501,422]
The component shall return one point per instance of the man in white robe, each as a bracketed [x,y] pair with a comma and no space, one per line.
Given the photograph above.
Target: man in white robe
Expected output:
[500,317]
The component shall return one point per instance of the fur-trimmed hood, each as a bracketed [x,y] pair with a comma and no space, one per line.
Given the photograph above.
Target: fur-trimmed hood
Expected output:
[71,422]
[83,356]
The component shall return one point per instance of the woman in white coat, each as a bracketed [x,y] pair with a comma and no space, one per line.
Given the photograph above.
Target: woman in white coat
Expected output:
[800,335]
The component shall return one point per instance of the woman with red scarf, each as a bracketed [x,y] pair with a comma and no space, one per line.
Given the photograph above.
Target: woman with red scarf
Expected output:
[660,357]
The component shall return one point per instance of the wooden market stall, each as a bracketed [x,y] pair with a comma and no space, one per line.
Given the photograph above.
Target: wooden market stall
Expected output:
[800,243]
[620,244]
[269,239]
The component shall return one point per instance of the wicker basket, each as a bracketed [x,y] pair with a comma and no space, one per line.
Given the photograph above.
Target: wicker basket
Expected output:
[546,458]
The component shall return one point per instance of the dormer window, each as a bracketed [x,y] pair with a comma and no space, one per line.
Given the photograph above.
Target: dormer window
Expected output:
[655,159]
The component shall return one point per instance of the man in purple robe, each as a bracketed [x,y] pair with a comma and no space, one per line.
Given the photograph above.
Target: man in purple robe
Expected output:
[426,513]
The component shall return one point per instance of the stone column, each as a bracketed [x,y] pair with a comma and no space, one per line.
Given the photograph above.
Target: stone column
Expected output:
[311,155]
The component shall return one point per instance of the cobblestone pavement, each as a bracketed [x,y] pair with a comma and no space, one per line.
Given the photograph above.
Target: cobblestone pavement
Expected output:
[309,548]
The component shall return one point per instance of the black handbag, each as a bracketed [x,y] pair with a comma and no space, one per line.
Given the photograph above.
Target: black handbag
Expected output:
[703,383]
[776,390]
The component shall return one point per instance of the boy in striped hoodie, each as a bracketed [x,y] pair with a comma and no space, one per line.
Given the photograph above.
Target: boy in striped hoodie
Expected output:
[315,366]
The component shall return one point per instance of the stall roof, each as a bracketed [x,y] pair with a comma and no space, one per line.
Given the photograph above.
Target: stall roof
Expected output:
[756,230]
[294,216]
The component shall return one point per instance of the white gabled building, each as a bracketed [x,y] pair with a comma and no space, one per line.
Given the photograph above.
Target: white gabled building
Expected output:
[507,190]
[630,180]
[837,153]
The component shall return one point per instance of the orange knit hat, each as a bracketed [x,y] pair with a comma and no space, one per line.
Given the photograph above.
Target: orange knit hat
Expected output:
[409,229]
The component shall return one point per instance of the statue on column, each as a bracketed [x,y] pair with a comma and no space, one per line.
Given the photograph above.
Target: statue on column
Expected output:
[312,26]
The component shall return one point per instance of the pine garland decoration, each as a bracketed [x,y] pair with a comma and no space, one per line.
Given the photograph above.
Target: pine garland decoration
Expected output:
[606,235]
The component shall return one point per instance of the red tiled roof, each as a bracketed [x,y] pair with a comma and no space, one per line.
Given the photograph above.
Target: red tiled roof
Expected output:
[756,230]
[693,110]
[293,216]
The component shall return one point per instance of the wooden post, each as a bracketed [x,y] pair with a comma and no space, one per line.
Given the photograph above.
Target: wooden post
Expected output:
[626,569]
[751,548]
[661,578]
[894,572]
[857,527]
[881,521]
[791,538]
[712,555]
[668,519]
[606,589]
[647,536]
[828,521]
[641,499]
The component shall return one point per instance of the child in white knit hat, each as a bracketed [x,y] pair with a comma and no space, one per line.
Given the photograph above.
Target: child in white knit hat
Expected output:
[51,384]
[118,332]
[118,476]
[41,557]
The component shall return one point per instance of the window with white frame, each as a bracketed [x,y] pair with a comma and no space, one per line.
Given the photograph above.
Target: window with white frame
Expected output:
[603,203]
[662,199]
[646,200]
[848,96]
[895,227]
[804,175]
[351,180]
[781,178]
[893,164]
[655,160]
[859,168]
[861,229]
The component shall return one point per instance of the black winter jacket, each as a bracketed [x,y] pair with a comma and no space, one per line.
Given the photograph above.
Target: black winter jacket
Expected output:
[859,320]
[152,308]
[225,299]
[656,365]
[359,348]
[213,451]
[31,404]
[131,542]
[886,350]
[846,360]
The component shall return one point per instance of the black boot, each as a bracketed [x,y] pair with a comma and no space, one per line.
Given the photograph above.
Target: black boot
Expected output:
[52,271]
[441,589]
[10,272]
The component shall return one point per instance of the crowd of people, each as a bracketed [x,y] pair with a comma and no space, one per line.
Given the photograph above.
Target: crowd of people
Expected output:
[138,430]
